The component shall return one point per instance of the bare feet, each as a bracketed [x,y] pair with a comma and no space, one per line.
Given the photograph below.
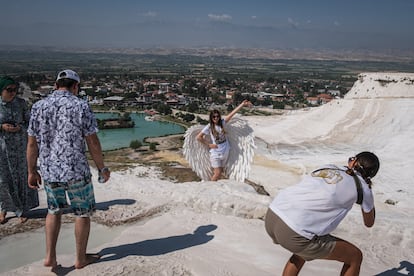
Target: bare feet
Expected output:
[90,258]
[51,263]
[3,217]
[23,219]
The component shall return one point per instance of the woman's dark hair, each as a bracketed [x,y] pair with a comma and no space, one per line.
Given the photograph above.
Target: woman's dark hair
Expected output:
[367,164]
[219,123]
[68,83]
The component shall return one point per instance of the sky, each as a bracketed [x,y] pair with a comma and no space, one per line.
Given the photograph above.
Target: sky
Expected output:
[268,24]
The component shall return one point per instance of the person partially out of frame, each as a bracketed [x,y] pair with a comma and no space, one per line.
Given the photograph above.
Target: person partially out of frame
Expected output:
[15,195]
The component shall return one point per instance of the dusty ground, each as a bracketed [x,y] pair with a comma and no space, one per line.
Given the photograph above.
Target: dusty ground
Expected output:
[167,156]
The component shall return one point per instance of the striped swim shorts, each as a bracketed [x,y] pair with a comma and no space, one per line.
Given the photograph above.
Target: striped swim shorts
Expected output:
[80,194]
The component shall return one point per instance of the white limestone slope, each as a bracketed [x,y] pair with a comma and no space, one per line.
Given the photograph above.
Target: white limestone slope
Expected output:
[376,115]
[378,119]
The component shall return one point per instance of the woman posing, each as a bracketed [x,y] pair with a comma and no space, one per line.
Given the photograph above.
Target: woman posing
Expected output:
[219,146]
[15,194]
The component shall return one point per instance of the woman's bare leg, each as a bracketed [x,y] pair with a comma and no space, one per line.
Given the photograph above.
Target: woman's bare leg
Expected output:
[348,254]
[3,217]
[293,266]
[216,174]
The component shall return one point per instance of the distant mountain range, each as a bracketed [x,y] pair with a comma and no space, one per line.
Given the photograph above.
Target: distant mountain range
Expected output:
[256,53]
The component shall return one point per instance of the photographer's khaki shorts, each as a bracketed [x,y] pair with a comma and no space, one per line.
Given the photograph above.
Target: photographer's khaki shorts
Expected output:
[317,248]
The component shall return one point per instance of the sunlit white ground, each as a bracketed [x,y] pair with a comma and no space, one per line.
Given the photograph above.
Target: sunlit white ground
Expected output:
[215,228]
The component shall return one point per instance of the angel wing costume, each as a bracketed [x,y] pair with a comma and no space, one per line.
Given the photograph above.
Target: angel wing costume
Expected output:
[241,139]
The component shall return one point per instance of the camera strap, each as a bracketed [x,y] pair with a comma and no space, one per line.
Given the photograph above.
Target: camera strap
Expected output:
[360,194]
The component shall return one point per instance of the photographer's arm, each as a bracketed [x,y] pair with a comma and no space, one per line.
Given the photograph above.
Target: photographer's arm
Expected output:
[369,218]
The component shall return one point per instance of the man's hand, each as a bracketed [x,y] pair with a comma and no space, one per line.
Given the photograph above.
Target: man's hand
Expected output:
[10,127]
[34,180]
[104,175]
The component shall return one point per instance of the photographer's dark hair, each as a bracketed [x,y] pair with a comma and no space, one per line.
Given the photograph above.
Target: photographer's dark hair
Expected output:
[367,164]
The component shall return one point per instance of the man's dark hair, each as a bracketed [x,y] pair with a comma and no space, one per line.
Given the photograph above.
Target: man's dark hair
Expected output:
[367,164]
[65,83]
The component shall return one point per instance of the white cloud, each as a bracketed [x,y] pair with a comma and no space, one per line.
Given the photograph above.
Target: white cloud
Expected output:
[336,23]
[219,17]
[150,14]
[253,17]
[293,23]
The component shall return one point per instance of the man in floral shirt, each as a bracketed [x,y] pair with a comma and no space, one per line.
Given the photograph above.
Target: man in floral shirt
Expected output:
[59,126]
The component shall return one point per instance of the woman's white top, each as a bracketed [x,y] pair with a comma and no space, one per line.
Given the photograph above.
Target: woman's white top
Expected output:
[220,140]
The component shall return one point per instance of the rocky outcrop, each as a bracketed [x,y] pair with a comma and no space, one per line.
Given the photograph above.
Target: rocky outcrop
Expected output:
[382,85]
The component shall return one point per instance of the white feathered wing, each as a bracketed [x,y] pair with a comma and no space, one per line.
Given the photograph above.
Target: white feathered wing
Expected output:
[196,153]
[241,139]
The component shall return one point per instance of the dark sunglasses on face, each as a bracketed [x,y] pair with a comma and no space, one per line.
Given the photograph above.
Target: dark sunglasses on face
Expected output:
[215,116]
[11,89]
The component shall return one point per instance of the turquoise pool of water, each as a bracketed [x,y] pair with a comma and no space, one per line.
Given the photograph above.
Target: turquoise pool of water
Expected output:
[122,137]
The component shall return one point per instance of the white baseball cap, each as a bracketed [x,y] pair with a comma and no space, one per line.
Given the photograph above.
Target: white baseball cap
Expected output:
[68,74]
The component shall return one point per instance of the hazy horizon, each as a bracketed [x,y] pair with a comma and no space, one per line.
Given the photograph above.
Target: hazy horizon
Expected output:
[320,24]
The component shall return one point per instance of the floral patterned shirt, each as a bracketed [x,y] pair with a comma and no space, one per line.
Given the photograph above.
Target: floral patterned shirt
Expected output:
[60,123]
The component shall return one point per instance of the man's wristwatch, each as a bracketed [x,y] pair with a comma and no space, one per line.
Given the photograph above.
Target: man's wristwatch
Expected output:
[101,178]
[104,169]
